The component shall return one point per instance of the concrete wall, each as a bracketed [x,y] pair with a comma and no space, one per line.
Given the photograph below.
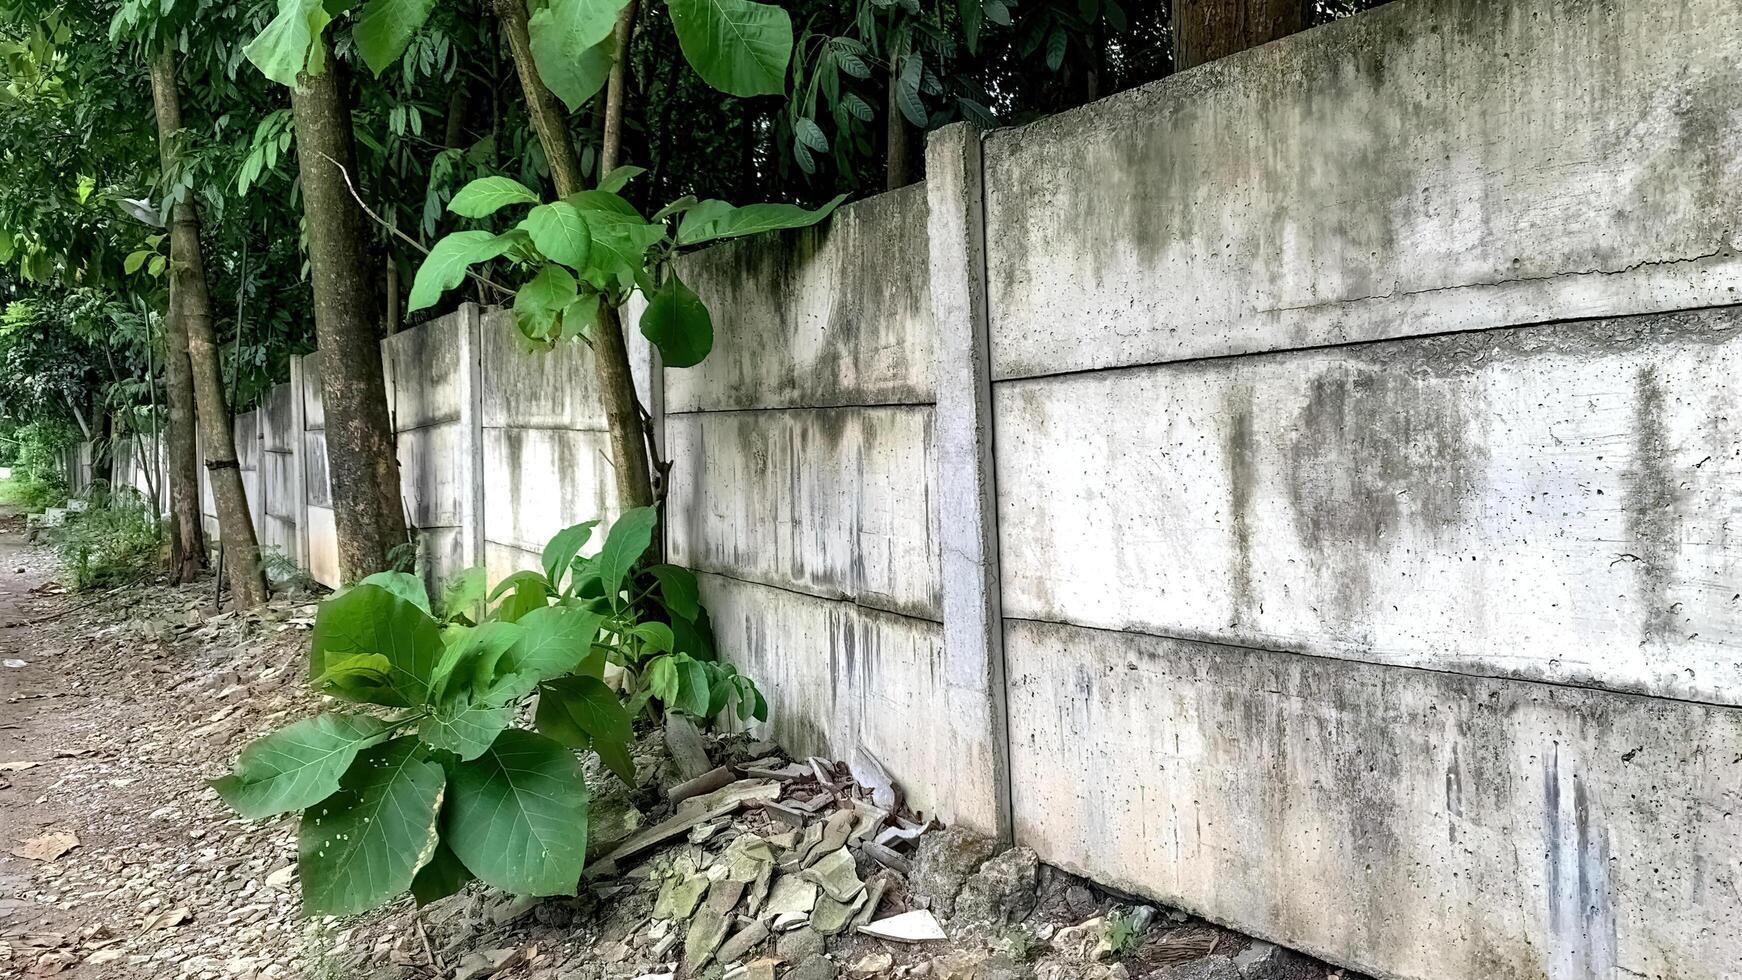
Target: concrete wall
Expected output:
[1302,490]
[1365,498]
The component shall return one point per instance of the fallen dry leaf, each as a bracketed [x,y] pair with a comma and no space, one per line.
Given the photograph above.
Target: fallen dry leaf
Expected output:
[164,920]
[18,766]
[47,847]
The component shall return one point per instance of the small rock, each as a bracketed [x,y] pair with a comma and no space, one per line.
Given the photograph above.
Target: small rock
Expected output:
[871,964]
[1081,902]
[1001,891]
[813,968]
[746,939]
[1002,966]
[942,864]
[1268,961]
[282,878]
[799,944]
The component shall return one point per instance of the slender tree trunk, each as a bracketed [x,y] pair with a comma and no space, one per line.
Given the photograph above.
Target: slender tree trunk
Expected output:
[361,454]
[187,536]
[188,272]
[898,149]
[1204,30]
[610,353]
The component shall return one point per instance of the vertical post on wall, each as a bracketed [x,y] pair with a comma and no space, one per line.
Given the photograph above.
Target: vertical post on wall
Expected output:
[472,431]
[299,460]
[968,515]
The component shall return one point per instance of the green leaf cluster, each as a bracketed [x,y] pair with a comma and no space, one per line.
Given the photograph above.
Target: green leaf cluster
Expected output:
[445,788]
[594,249]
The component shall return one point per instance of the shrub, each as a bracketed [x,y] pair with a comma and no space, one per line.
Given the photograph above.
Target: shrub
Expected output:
[111,545]
[444,787]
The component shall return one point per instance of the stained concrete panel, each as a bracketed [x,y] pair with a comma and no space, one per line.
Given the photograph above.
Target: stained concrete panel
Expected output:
[1420,168]
[535,388]
[831,502]
[1554,503]
[539,481]
[278,478]
[839,676]
[314,461]
[423,366]
[1407,823]
[837,314]
[435,473]
[278,419]
[323,546]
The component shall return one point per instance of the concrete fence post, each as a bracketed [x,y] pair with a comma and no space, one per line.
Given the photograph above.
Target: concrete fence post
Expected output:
[471,379]
[968,514]
[299,461]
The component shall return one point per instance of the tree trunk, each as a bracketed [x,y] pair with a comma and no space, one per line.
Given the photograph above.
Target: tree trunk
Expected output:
[610,354]
[898,148]
[362,464]
[188,273]
[1204,30]
[187,536]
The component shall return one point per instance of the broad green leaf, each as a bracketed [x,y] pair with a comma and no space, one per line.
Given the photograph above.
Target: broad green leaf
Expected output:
[610,202]
[291,41]
[466,730]
[299,765]
[385,27]
[678,323]
[737,46]
[662,679]
[530,591]
[156,266]
[694,692]
[487,195]
[517,815]
[544,298]
[361,677]
[559,231]
[585,713]
[572,46]
[587,704]
[482,645]
[620,244]
[655,637]
[553,641]
[580,316]
[615,181]
[445,266]
[402,584]
[444,875]
[363,845]
[706,224]
[134,261]
[562,549]
[678,206]
[694,636]
[678,589]
[460,597]
[624,545]
[368,619]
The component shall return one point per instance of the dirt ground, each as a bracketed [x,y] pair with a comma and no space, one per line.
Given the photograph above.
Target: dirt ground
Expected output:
[116,860]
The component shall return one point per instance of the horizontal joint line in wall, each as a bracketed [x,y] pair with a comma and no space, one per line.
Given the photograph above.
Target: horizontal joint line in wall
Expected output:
[445,420]
[847,600]
[1339,345]
[1249,648]
[797,408]
[542,428]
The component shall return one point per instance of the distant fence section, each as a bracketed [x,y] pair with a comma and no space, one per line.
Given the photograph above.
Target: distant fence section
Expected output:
[1303,490]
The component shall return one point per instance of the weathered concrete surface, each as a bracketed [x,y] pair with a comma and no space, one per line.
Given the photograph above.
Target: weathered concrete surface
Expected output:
[1555,503]
[538,389]
[539,481]
[835,503]
[838,314]
[423,367]
[1417,169]
[838,676]
[322,541]
[1410,823]
[967,537]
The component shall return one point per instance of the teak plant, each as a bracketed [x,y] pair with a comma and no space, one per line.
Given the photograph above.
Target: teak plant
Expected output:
[593,247]
[446,787]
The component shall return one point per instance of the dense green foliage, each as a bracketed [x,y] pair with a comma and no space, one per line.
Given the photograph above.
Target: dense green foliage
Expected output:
[446,787]
[111,544]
